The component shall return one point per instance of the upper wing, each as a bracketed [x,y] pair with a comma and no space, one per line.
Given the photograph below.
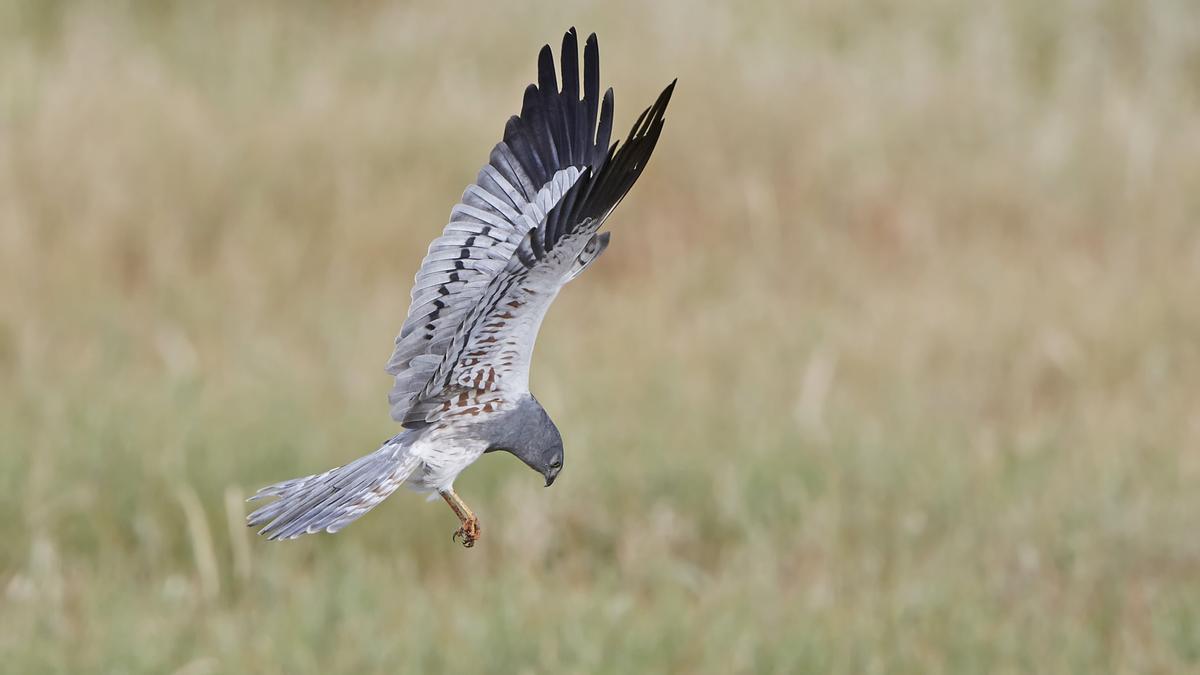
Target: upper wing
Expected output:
[492,346]
[556,138]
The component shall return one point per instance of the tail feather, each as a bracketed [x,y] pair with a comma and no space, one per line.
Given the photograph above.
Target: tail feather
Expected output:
[329,501]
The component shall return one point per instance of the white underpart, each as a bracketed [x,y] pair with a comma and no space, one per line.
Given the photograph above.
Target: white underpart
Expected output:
[442,457]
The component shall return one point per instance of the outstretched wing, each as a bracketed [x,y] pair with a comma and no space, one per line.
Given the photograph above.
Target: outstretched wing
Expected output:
[491,348]
[556,139]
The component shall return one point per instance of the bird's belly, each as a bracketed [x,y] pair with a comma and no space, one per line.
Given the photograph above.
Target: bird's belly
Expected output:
[440,465]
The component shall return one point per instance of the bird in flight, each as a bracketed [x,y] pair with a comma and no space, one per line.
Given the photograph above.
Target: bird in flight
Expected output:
[527,226]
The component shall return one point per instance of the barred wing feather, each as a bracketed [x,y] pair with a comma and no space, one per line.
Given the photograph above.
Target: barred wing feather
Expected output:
[557,137]
[491,348]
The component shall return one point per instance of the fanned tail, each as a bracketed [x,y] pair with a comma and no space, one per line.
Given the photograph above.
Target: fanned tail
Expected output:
[329,501]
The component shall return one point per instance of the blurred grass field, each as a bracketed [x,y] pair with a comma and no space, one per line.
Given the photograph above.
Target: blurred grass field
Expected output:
[893,365]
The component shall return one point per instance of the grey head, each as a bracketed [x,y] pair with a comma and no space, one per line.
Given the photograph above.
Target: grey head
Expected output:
[527,432]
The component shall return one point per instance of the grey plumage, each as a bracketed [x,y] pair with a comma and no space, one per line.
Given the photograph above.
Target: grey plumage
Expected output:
[528,433]
[591,251]
[527,226]
[331,500]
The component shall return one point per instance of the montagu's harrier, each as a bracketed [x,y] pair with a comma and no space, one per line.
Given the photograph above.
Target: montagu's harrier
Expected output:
[527,226]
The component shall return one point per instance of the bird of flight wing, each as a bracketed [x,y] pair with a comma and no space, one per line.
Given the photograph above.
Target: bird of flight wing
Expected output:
[524,228]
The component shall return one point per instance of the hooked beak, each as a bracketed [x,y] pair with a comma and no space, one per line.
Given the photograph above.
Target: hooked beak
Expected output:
[550,476]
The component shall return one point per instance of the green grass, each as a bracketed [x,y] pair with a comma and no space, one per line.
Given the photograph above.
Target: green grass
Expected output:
[891,367]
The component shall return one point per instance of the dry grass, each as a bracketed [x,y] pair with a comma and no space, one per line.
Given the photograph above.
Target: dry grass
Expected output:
[892,365]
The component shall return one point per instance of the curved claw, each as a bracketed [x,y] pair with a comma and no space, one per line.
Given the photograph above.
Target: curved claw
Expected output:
[469,533]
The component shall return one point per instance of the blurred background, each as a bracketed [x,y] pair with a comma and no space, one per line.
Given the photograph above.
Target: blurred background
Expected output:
[892,365]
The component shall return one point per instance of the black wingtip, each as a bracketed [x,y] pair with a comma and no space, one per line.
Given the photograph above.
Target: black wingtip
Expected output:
[547,77]
[665,97]
[569,65]
[592,44]
[556,128]
[654,114]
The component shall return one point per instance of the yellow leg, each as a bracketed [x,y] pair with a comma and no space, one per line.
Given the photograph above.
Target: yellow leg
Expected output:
[470,524]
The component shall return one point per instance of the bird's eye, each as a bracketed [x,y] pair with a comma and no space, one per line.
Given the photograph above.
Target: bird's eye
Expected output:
[556,464]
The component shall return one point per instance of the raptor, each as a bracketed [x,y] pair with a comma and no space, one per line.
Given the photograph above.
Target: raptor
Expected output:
[527,225]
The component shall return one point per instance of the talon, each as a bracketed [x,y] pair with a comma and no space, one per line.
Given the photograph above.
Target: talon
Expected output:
[469,533]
